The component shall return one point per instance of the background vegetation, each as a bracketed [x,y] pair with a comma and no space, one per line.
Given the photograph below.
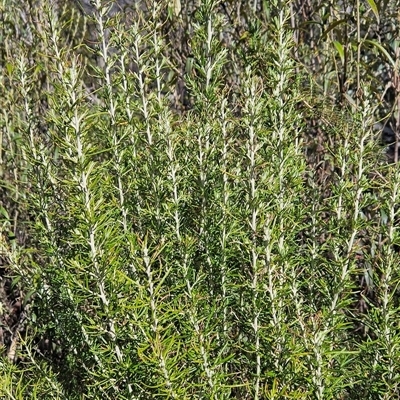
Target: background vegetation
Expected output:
[196,200]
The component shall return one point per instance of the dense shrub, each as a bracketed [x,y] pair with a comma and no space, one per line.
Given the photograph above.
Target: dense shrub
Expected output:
[195,203]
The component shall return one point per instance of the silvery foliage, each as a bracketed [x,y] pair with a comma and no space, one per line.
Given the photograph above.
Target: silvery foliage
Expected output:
[88,6]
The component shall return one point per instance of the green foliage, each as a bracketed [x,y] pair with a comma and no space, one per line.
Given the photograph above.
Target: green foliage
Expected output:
[189,217]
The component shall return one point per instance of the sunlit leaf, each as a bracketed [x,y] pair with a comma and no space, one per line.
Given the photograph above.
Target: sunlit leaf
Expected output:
[374,9]
[340,49]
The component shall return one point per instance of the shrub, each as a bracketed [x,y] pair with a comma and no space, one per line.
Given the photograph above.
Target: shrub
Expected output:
[184,216]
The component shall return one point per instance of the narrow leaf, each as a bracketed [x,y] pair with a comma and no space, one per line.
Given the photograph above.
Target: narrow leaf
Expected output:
[382,50]
[374,9]
[340,49]
[332,26]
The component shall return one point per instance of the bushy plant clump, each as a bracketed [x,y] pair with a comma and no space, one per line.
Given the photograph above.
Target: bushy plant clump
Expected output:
[183,217]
